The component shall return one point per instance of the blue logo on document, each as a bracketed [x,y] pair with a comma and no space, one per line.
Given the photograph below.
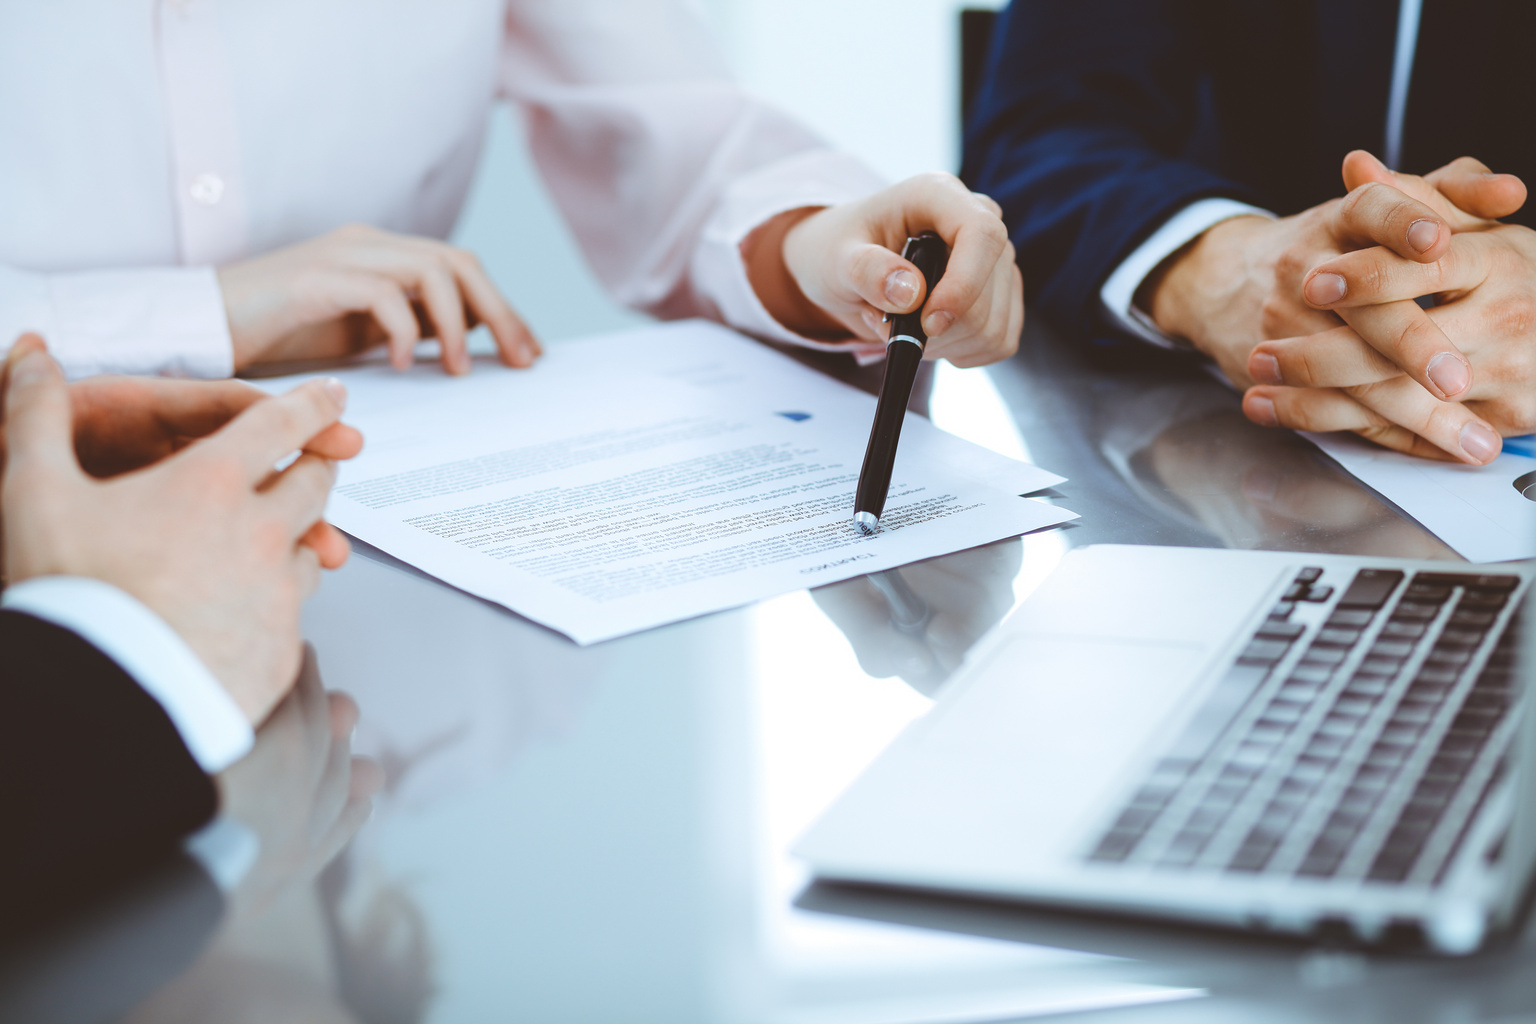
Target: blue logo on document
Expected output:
[798,417]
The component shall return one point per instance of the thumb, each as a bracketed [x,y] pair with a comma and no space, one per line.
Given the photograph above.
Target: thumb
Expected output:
[884,280]
[1472,186]
[39,427]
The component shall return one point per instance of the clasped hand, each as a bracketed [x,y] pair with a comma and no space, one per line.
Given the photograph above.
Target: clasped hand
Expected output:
[1448,381]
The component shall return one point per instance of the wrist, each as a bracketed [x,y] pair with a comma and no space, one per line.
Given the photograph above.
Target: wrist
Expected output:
[763,254]
[1182,292]
[240,346]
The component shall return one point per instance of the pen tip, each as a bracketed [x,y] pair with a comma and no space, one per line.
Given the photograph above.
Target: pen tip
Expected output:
[866,523]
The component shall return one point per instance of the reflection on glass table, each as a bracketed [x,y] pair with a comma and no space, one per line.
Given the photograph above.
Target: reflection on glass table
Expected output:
[918,621]
[1186,449]
[287,949]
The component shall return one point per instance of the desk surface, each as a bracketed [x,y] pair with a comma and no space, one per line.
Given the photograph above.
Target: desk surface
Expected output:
[599,834]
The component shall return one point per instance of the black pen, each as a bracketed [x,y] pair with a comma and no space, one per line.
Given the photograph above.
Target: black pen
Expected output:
[903,355]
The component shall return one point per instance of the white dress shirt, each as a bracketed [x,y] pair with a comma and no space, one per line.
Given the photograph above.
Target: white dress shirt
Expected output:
[1118,292]
[142,145]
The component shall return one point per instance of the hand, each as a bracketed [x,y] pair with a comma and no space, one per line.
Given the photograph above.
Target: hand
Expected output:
[836,271]
[300,789]
[1452,401]
[212,539]
[1240,283]
[357,287]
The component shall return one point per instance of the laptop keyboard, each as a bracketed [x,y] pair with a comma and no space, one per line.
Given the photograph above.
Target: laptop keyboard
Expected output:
[1358,747]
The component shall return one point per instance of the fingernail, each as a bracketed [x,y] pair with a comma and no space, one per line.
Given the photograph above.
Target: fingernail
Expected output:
[1449,374]
[338,392]
[1326,288]
[29,368]
[937,323]
[1422,234]
[901,288]
[1262,411]
[1265,368]
[1482,444]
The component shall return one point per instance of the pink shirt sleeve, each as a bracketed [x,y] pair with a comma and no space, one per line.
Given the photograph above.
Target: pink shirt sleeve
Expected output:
[660,163]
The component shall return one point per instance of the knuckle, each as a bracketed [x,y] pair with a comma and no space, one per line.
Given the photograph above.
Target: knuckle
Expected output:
[1417,334]
[1513,315]
[942,179]
[1274,315]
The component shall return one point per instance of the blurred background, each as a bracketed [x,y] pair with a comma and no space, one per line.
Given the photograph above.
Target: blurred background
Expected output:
[879,78]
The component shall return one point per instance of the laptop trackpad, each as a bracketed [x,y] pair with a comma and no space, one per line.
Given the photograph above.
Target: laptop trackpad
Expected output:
[1060,718]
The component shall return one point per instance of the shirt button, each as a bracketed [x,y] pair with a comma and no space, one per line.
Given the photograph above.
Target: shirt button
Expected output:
[207,189]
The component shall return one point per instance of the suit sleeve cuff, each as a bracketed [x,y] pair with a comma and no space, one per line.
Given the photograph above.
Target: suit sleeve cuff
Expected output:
[167,321]
[210,723]
[1119,292]
[817,178]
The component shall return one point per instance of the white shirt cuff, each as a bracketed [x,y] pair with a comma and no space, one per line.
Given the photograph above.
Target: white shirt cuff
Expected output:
[210,723]
[226,849]
[167,321]
[1119,291]
[817,178]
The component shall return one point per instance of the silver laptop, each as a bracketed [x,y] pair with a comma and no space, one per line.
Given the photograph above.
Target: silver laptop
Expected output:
[1304,743]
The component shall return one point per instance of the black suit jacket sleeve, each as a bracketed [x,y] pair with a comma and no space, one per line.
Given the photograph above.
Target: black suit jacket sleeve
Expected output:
[95,781]
[1084,132]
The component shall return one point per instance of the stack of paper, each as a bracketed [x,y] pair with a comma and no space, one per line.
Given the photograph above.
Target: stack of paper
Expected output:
[638,479]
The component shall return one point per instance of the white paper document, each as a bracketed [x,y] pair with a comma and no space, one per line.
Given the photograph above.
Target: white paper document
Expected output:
[633,480]
[1481,511]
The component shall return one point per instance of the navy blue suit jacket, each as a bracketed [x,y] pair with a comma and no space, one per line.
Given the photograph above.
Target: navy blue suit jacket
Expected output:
[1100,119]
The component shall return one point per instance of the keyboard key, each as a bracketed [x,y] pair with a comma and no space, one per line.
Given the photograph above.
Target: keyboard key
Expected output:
[1263,652]
[1392,649]
[1282,610]
[1414,611]
[1452,638]
[1115,846]
[1352,706]
[1367,686]
[1388,755]
[1295,592]
[1413,714]
[1432,592]
[1386,668]
[1350,618]
[1335,637]
[1213,717]
[1480,619]
[1284,712]
[1402,732]
[1455,579]
[1323,656]
[1280,630]
[1403,630]
[1315,674]
[1186,846]
[1371,588]
[1483,600]
[1311,574]
[1329,747]
[1318,593]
